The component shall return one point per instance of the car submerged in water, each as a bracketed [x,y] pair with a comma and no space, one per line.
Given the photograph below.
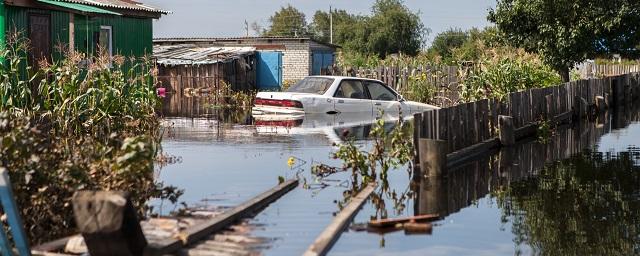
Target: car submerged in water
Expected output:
[334,95]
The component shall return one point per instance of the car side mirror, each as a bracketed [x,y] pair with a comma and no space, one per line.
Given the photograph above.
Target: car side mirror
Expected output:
[400,98]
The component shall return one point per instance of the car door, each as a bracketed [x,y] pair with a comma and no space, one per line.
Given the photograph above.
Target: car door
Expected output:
[384,99]
[351,97]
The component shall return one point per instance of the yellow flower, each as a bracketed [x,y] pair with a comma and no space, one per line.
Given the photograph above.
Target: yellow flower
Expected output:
[291,162]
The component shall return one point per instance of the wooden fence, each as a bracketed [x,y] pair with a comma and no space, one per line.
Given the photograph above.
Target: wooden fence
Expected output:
[192,96]
[591,70]
[468,124]
[445,79]
[467,183]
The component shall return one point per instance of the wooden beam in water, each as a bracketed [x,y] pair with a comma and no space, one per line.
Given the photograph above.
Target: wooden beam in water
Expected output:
[330,235]
[200,231]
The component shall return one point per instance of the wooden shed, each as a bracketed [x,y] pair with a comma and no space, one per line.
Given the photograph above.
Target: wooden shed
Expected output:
[183,66]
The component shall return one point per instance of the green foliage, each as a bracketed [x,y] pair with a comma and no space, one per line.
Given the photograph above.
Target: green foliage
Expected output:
[289,22]
[391,28]
[503,72]
[343,24]
[567,32]
[390,150]
[421,88]
[66,128]
[444,43]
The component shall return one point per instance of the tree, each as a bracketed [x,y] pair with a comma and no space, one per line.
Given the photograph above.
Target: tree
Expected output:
[343,23]
[288,21]
[446,41]
[566,32]
[393,28]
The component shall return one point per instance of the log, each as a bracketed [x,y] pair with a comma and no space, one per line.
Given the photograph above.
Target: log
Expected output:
[507,130]
[433,156]
[108,223]
[418,228]
[391,222]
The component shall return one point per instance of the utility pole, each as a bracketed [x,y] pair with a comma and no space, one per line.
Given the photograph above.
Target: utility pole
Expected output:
[246,27]
[330,24]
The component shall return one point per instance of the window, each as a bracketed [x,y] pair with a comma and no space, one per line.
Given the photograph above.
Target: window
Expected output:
[351,89]
[105,41]
[380,92]
[316,85]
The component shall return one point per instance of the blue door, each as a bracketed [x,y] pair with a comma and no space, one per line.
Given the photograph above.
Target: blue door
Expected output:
[269,70]
[321,60]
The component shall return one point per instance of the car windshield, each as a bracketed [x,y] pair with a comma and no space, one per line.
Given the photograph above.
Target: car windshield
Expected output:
[317,85]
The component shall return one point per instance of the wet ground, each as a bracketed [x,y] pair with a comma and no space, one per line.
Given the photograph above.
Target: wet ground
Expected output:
[577,194]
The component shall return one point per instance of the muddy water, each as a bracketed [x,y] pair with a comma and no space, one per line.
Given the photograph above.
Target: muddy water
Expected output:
[502,204]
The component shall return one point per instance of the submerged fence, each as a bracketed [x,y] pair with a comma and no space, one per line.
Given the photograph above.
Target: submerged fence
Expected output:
[469,124]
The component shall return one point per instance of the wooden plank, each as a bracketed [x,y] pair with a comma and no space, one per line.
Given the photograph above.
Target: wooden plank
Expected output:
[195,233]
[458,157]
[55,245]
[393,221]
[443,123]
[417,127]
[330,235]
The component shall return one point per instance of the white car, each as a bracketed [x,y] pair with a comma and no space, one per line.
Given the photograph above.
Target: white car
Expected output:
[335,95]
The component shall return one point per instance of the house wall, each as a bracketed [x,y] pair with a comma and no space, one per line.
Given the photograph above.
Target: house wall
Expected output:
[17,22]
[296,61]
[130,36]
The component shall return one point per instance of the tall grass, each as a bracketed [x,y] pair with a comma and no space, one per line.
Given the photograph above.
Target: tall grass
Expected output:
[69,126]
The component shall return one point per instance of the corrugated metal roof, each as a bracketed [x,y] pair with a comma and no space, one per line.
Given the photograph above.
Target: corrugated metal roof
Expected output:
[79,7]
[118,4]
[251,38]
[190,54]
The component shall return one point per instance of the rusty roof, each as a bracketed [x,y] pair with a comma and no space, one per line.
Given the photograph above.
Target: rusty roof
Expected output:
[119,4]
[191,54]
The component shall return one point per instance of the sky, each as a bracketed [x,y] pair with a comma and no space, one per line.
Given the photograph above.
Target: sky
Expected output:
[226,18]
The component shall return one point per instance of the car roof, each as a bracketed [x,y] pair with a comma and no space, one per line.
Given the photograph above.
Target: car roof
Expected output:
[348,77]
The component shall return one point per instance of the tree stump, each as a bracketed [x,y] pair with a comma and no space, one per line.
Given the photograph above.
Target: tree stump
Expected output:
[108,223]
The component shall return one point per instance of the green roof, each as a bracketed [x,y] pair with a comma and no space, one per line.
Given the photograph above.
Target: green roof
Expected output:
[79,7]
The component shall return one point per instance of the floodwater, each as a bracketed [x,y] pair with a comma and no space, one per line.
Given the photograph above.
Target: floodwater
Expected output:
[577,194]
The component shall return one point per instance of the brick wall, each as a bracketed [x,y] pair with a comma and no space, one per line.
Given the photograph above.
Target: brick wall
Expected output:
[296,61]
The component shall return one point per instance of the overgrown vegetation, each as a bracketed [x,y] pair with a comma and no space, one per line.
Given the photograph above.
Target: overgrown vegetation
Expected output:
[390,28]
[501,71]
[66,128]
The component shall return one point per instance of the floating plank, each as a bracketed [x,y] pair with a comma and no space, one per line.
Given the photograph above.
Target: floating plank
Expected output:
[330,235]
[393,221]
[200,231]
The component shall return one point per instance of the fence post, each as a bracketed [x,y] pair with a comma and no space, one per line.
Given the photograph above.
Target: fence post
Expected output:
[507,130]
[433,156]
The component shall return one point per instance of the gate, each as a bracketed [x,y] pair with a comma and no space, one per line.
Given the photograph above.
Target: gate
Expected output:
[269,70]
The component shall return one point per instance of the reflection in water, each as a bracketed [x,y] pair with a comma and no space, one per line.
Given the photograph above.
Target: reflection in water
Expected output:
[588,205]
[559,198]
